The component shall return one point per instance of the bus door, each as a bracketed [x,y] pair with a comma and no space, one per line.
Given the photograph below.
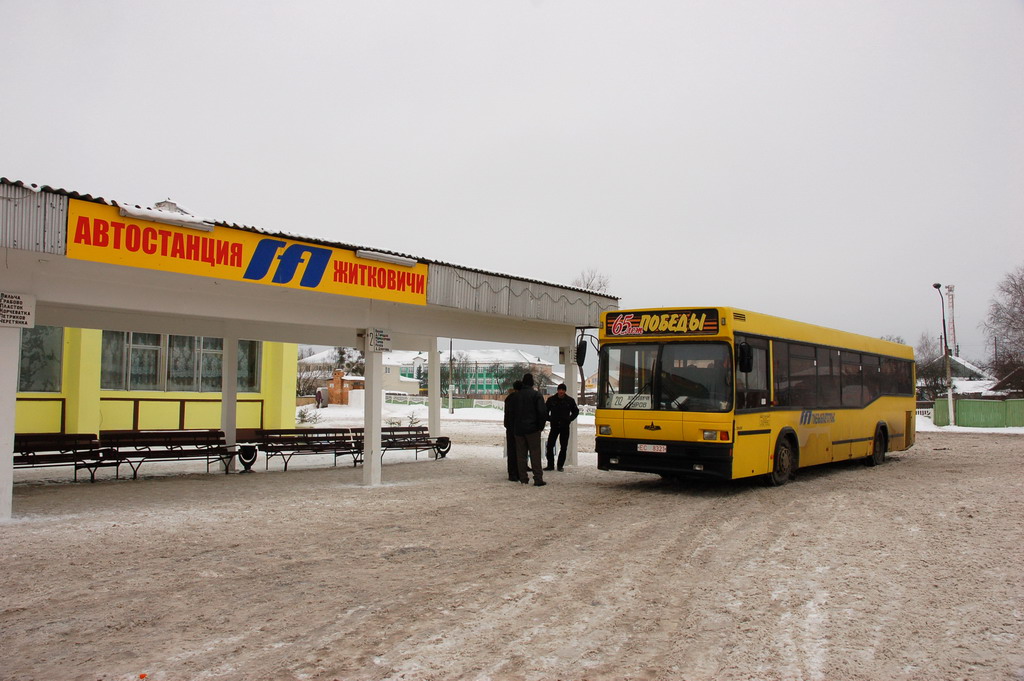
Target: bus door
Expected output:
[754,445]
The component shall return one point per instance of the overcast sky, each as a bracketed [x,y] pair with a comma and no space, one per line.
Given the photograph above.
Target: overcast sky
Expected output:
[822,160]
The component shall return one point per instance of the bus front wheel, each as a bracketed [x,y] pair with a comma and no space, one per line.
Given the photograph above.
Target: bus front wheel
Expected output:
[783,464]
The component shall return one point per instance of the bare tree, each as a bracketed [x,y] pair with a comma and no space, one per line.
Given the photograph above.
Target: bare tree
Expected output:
[931,373]
[1004,326]
[307,380]
[598,282]
[591,280]
[507,374]
[309,377]
[542,380]
[351,360]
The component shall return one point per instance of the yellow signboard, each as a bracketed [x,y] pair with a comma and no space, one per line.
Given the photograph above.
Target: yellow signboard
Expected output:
[99,233]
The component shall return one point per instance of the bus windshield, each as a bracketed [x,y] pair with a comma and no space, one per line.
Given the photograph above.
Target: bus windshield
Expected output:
[689,376]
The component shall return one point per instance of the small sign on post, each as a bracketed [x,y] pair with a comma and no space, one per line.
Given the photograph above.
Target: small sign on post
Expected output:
[17,309]
[380,340]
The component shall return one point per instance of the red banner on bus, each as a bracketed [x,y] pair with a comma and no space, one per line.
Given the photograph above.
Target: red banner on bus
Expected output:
[699,322]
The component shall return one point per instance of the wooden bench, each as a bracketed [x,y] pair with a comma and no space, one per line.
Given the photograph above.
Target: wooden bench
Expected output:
[287,443]
[80,450]
[134,447]
[416,438]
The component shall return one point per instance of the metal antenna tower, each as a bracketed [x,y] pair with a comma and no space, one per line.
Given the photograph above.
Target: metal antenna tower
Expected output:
[952,320]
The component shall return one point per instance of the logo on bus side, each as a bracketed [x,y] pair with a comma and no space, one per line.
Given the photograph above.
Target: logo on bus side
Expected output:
[808,417]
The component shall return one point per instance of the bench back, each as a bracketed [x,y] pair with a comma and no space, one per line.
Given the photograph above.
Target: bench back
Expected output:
[405,431]
[54,449]
[29,443]
[306,439]
[163,438]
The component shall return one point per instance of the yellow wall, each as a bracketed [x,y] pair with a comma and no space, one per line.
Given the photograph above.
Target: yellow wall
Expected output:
[87,409]
[280,362]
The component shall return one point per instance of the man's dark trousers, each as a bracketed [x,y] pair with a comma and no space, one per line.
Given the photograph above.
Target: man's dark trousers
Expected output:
[510,451]
[560,432]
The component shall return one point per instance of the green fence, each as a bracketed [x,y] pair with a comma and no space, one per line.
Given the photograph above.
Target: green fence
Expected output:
[981,413]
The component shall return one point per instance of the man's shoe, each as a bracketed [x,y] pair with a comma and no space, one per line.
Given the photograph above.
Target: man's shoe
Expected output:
[549,468]
[559,469]
[539,483]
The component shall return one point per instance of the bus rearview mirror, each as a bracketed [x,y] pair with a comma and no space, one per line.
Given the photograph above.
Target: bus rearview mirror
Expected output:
[581,352]
[745,358]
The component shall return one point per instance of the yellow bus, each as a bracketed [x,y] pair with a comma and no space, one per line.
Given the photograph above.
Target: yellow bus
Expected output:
[723,393]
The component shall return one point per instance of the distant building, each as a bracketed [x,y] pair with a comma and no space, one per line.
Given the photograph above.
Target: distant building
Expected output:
[322,370]
[479,374]
[968,379]
[488,374]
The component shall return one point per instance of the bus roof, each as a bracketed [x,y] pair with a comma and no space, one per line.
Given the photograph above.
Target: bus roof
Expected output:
[724,322]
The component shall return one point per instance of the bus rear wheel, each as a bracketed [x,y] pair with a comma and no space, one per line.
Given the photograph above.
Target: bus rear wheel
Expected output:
[783,464]
[877,457]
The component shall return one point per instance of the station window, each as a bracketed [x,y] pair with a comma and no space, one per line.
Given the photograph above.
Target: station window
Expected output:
[41,359]
[149,361]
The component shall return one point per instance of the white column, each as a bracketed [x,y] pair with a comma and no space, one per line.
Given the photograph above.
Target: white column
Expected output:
[10,347]
[373,408]
[434,389]
[572,389]
[229,394]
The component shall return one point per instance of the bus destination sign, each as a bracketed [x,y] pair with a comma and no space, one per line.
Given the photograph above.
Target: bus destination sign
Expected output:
[699,322]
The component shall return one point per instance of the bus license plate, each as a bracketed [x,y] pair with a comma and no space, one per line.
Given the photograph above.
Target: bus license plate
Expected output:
[652,448]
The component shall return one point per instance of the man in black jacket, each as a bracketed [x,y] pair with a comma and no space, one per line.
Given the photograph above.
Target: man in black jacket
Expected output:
[512,459]
[528,416]
[562,411]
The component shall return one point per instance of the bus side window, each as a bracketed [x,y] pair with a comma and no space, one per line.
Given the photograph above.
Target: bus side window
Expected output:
[780,373]
[803,381]
[752,386]
[872,378]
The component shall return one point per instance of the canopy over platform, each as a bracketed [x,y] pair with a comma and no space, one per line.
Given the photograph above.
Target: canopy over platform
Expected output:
[75,260]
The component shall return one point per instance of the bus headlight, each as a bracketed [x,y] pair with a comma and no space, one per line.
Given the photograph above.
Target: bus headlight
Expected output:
[722,435]
[605,430]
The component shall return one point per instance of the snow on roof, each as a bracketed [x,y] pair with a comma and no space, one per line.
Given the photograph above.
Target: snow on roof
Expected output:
[403,357]
[960,366]
[971,367]
[209,222]
[973,387]
[328,356]
[496,356]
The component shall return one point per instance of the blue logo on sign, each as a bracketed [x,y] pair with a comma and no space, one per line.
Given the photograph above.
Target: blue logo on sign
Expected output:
[316,261]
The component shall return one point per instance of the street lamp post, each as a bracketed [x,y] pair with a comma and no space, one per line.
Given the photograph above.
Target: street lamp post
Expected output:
[949,371]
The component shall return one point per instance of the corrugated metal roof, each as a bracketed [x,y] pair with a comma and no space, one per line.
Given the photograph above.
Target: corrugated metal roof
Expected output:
[307,239]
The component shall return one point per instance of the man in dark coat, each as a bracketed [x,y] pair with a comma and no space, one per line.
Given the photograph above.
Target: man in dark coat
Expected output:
[528,416]
[562,411]
[512,459]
